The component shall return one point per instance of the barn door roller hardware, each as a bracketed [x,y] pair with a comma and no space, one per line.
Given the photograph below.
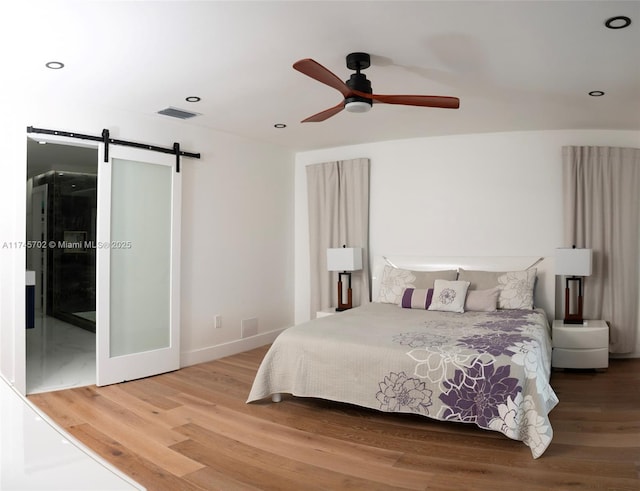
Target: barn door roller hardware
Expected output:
[107,140]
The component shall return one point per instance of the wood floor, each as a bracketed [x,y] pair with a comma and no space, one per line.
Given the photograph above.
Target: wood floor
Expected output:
[191,430]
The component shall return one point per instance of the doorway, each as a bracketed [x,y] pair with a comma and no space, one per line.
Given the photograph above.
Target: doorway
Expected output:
[136,303]
[61,222]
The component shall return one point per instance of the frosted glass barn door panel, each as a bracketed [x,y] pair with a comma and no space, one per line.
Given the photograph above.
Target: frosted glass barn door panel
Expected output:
[140,256]
[137,262]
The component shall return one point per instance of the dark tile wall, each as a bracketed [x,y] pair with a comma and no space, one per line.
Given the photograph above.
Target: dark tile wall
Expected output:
[71,229]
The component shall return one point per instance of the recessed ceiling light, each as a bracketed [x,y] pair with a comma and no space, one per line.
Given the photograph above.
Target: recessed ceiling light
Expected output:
[279,125]
[54,65]
[618,22]
[193,98]
[596,93]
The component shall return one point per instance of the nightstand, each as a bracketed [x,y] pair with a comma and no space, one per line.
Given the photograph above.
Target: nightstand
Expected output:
[580,345]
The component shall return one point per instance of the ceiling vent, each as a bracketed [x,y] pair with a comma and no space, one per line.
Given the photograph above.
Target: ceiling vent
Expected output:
[177,113]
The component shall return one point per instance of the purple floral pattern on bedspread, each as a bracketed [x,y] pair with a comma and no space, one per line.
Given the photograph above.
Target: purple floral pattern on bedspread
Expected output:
[474,395]
[472,374]
[495,343]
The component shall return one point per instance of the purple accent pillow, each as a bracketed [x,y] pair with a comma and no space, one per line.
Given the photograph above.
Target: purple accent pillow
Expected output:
[416,298]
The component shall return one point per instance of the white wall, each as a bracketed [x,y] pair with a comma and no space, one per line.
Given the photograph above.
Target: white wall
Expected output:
[12,259]
[237,227]
[482,194]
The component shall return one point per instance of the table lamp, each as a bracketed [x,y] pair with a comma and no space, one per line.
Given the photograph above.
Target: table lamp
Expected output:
[573,264]
[344,260]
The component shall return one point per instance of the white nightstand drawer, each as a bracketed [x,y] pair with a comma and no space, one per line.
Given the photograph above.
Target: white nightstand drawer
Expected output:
[581,337]
[580,358]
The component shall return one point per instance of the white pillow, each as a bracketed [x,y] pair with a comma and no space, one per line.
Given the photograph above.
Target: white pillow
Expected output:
[516,289]
[393,283]
[449,296]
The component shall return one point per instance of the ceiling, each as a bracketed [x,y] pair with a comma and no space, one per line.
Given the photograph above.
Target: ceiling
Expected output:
[515,65]
[55,157]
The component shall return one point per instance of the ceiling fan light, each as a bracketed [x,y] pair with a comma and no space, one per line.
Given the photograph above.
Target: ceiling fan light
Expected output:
[357,107]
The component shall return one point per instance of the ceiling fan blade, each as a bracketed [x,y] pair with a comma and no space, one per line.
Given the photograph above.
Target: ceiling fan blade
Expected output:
[316,71]
[445,102]
[416,100]
[326,114]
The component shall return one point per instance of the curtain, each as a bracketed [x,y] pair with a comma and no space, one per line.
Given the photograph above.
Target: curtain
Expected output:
[338,199]
[601,210]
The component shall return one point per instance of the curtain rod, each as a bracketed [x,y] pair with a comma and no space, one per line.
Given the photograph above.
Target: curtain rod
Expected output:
[175,150]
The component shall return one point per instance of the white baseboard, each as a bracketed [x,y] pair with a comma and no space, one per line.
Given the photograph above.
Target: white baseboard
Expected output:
[210,353]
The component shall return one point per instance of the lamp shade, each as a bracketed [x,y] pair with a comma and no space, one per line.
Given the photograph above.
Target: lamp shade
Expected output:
[344,259]
[573,262]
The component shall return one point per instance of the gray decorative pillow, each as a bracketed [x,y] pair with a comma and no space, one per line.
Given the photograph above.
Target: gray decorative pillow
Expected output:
[395,280]
[516,289]
[449,296]
[482,300]
[480,280]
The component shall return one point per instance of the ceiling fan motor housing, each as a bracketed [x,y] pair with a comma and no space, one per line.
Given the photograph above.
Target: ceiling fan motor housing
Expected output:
[359,82]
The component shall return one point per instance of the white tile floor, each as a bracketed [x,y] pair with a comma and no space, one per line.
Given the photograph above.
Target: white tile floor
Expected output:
[59,356]
[35,454]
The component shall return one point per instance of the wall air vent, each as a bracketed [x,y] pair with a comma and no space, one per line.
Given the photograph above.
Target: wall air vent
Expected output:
[177,113]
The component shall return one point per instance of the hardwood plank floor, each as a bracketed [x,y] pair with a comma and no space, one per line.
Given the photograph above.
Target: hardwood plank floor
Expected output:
[192,430]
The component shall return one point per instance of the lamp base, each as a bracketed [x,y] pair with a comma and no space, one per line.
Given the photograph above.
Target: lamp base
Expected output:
[571,317]
[344,306]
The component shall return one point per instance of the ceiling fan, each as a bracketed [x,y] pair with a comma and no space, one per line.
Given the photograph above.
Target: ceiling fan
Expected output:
[357,93]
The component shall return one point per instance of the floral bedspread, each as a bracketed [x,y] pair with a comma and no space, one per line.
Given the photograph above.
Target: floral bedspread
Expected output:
[487,368]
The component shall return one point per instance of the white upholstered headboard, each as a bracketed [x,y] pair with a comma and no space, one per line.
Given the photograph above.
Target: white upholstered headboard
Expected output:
[545,286]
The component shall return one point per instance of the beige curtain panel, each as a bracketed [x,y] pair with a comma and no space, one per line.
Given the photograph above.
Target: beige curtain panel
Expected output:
[601,212]
[338,200]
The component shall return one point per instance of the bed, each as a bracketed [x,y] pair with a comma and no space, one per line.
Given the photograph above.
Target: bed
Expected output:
[430,344]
